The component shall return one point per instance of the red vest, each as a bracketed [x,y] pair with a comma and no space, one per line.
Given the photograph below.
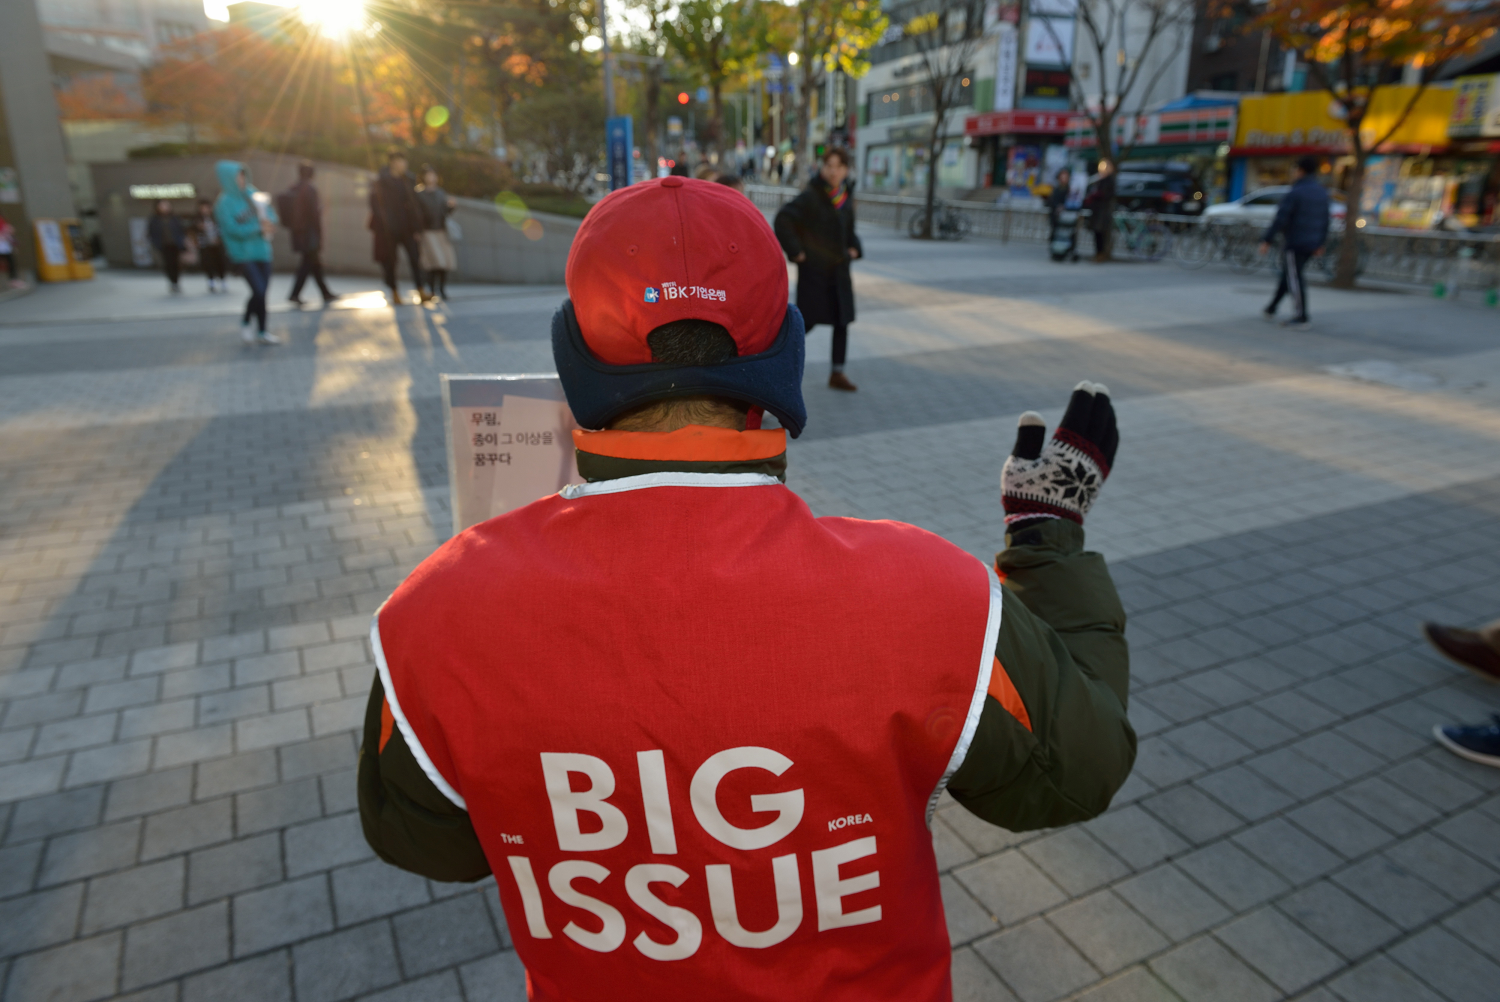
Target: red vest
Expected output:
[700,734]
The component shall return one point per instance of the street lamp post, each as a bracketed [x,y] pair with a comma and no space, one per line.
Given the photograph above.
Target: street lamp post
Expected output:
[609,76]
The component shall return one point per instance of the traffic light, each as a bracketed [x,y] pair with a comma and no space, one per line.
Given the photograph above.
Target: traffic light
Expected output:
[682,97]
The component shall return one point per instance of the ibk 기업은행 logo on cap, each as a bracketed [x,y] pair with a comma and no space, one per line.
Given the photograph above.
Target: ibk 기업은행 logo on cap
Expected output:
[672,290]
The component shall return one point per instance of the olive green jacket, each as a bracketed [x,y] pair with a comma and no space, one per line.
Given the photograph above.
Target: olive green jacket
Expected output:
[1061,644]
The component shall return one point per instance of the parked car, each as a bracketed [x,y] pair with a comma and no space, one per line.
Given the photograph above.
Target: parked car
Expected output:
[1259,207]
[1170,187]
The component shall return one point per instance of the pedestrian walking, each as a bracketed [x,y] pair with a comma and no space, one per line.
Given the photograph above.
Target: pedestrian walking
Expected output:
[305,220]
[1302,223]
[210,247]
[169,237]
[438,255]
[395,221]
[699,733]
[816,229]
[1479,652]
[246,223]
[1100,201]
[8,252]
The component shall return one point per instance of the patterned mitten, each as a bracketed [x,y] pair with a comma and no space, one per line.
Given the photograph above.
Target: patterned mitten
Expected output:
[1060,478]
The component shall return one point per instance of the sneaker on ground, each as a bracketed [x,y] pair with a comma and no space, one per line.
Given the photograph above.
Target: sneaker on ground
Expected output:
[265,338]
[839,381]
[247,334]
[1480,743]
[1296,323]
[1472,649]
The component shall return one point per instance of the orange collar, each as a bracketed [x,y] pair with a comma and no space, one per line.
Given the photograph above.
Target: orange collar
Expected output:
[695,443]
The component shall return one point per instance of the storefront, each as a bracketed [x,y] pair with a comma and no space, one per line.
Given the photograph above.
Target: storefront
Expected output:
[1409,180]
[1196,130]
[1474,146]
[901,162]
[1018,150]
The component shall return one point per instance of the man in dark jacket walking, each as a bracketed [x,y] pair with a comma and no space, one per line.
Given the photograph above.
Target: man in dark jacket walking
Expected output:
[1302,222]
[306,224]
[169,237]
[396,219]
[816,229]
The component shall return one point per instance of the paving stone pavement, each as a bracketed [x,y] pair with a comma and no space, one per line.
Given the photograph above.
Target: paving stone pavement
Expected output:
[193,536]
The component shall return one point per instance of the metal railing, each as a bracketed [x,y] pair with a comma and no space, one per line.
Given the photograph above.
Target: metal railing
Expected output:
[1446,262]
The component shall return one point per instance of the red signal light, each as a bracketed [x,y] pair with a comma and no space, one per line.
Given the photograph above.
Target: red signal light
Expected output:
[682,97]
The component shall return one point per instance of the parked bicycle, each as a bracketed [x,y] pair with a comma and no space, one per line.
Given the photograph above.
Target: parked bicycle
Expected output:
[947,223]
[1232,244]
[1142,236]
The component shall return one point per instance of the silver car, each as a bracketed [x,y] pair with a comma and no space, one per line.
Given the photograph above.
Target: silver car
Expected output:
[1259,206]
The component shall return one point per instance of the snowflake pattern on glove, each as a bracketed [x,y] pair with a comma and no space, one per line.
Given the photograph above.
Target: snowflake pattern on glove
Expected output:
[1062,478]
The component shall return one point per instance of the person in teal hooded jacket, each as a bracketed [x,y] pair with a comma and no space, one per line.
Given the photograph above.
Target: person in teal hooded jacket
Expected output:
[246,224]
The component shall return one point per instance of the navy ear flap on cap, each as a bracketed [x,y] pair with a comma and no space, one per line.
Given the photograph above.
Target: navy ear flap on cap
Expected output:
[598,392]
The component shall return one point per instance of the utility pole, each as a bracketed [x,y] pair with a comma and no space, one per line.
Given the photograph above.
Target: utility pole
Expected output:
[609,75]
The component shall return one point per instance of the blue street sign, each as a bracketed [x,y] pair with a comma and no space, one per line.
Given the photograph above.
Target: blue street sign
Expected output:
[702,95]
[619,136]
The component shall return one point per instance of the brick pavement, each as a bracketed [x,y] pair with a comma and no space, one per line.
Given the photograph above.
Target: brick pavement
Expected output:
[193,536]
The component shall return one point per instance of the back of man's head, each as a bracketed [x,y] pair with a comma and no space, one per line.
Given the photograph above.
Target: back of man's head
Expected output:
[1307,165]
[305,170]
[678,302]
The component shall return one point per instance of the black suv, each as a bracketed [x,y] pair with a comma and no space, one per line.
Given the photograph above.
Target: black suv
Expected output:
[1168,188]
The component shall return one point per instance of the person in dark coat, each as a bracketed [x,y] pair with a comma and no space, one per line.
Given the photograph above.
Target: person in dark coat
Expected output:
[306,224]
[211,257]
[169,237]
[816,229]
[1302,222]
[1057,199]
[396,219]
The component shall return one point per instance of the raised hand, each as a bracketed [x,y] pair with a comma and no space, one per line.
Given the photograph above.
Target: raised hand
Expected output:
[1061,478]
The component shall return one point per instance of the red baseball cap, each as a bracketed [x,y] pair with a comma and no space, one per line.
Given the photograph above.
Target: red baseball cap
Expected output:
[675,248]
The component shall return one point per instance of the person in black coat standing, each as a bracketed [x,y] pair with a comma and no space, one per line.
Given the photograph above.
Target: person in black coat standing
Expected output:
[816,229]
[396,219]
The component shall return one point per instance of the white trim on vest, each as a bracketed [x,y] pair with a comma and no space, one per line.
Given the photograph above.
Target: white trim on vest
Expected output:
[669,480]
[418,752]
[981,688]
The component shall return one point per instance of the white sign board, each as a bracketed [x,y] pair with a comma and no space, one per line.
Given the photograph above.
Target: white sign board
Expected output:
[50,234]
[140,243]
[1049,41]
[1005,67]
[510,442]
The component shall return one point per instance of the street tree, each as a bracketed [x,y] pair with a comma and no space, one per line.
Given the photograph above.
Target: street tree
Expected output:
[1128,46]
[946,36]
[565,129]
[1355,49]
[833,36]
[646,50]
[716,39]
[523,47]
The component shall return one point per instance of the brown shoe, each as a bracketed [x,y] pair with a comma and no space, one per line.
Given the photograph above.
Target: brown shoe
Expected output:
[1474,650]
[839,381]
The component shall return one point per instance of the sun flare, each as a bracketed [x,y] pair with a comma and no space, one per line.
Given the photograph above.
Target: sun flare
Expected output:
[333,18]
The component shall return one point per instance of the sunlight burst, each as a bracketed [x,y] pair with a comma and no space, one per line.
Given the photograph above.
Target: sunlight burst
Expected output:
[333,18]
